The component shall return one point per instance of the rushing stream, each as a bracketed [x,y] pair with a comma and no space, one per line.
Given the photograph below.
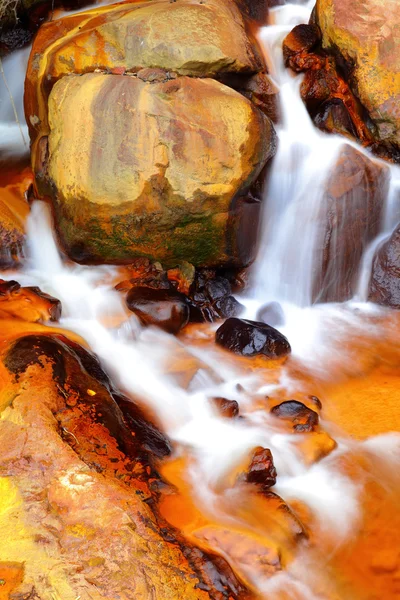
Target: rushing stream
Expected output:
[139,360]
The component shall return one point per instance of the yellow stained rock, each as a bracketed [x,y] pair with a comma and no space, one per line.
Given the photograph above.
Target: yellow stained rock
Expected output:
[146,169]
[190,38]
[367,35]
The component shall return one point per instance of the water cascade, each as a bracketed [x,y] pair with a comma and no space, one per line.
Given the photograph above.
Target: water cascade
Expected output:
[330,344]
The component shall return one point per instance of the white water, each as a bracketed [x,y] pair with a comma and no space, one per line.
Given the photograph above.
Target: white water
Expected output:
[136,358]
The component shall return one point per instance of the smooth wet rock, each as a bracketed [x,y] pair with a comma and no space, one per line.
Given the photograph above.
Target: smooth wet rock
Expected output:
[384,285]
[250,338]
[153,181]
[302,418]
[364,36]
[351,215]
[226,408]
[271,314]
[262,470]
[27,303]
[164,308]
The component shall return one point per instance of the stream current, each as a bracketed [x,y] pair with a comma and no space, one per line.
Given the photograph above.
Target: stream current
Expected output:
[143,361]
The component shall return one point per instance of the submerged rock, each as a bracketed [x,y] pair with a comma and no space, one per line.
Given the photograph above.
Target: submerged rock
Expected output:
[302,418]
[165,308]
[262,470]
[249,338]
[384,285]
[351,213]
[272,314]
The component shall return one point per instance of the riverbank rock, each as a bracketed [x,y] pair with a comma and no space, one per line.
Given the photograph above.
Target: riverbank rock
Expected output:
[79,486]
[384,285]
[140,159]
[365,38]
[354,198]
[249,338]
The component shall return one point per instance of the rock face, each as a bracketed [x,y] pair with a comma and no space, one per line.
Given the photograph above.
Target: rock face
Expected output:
[365,37]
[79,488]
[141,160]
[384,285]
[249,338]
[352,209]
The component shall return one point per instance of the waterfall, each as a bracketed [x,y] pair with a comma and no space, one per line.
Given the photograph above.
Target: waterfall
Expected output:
[137,358]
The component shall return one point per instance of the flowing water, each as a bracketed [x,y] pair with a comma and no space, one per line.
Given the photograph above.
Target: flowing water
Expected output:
[210,450]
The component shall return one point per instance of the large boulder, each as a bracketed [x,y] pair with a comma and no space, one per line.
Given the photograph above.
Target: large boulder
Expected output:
[364,35]
[158,170]
[188,38]
[352,206]
[139,159]
[384,285]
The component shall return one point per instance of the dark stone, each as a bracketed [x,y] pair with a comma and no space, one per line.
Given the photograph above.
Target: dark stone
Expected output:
[262,470]
[210,298]
[302,417]
[301,40]
[226,408]
[384,285]
[167,309]
[272,314]
[249,338]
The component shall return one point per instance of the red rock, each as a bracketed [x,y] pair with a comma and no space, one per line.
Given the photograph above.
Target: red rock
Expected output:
[262,470]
